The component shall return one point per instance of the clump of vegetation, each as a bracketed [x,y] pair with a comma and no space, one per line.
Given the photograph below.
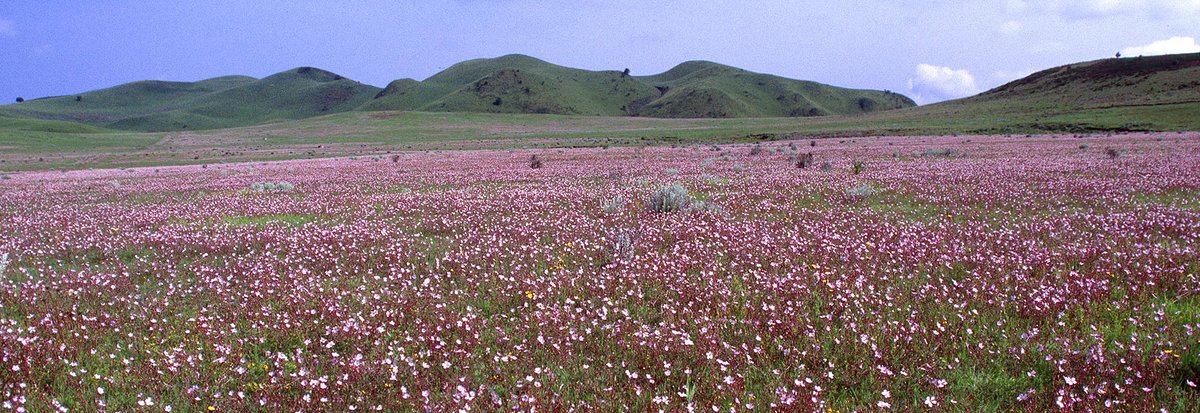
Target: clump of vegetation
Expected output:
[3,262]
[1112,153]
[613,205]
[756,150]
[395,158]
[621,247]
[704,206]
[675,198]
[535,162]
[281,186]
[826,166]
[1083,146]
[860,191]
[802,161]
[858,167]
[939,152]
[671,198]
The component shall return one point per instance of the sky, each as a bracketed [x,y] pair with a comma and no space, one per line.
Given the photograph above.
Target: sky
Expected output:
[929,50]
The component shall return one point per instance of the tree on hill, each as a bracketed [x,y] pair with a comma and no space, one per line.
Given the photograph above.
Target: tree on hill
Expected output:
[20,99]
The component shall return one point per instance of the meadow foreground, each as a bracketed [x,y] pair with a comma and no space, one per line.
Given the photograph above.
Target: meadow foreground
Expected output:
[947,274]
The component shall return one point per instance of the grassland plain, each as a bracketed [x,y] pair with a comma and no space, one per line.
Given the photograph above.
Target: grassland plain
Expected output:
[40,145]
[968,273]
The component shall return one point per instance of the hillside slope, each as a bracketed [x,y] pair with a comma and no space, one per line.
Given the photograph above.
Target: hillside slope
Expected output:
[516,84]
[522,84]
[215,103]
[710,90]
[1109,82]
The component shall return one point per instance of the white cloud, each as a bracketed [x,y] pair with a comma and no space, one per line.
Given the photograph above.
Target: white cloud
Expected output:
[1011,27]
[7,28]
[1173,45]
[937,83]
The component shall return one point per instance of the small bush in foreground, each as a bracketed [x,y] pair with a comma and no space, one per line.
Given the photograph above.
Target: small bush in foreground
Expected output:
[613,205]
[281,186]
[861,191]
[672,198]
[858,167]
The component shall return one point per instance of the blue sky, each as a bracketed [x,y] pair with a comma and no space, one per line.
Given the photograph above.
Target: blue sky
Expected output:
[930,50]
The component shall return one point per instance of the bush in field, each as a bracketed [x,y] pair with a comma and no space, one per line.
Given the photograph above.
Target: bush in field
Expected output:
[704,206]
[621,247]
[535,162]
[858,167]
[281,186]
[672,198]
[1112,153]
[802,161]
[613,205]
[938,152]
[756,150]
[861,191]
[826,166]
[3,262]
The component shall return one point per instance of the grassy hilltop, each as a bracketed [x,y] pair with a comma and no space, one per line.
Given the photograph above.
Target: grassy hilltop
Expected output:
[507,84]
[522,84]
[222,102]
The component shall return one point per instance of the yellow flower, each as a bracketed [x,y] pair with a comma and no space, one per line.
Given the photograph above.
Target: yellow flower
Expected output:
[212,409]
[529,295]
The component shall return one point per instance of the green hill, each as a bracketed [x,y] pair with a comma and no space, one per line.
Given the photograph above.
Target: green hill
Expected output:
[10,123]
[516,84]
[295,94]
[1130,81]
[522,84]
[124,101]
[215,103]
[707,90]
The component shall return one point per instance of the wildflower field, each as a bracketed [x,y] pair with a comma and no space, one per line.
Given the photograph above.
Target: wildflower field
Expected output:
[958,273]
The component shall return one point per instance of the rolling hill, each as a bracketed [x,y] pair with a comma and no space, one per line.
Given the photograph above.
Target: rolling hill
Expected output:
[209,104]
[522,84]
[1130,81]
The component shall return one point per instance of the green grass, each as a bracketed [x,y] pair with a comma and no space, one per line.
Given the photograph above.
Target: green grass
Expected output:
[362,133]
[289,219]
